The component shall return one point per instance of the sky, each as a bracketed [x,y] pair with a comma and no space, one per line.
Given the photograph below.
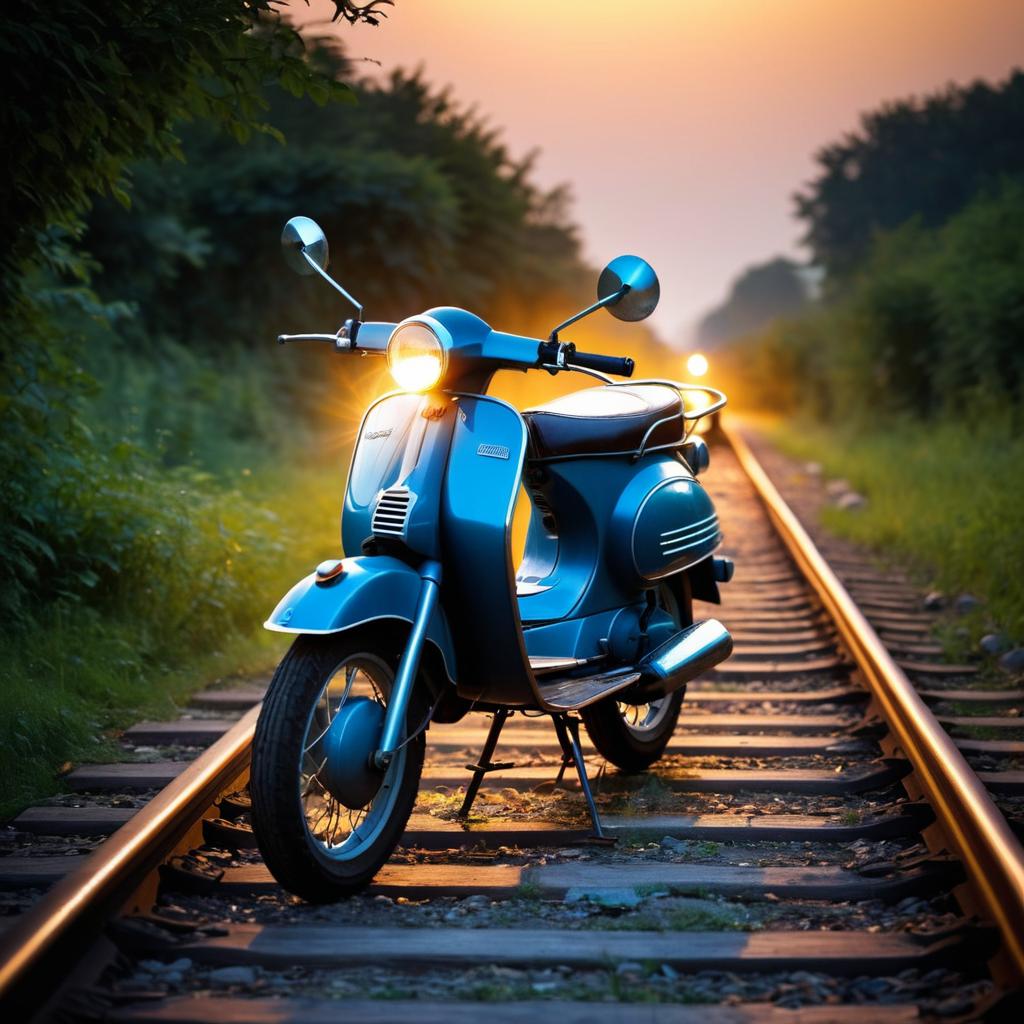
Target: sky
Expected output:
[685,126]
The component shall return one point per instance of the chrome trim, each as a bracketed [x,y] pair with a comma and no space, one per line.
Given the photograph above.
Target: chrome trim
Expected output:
[391,512]
[654,426]
[690,526]
[693,544]
[683,657]
[636,520]
[555,368]
[444,339]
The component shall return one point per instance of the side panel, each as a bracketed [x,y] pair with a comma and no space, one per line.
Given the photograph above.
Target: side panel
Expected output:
[664,521]
[370,588]
[394,485]
[376,463]
[478,498]
[621,527]
[676,526]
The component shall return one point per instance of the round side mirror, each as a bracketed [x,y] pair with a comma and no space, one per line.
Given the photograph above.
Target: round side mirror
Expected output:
[644,291]
[302,235]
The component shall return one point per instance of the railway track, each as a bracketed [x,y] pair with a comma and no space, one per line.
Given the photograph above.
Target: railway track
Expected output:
[814,847]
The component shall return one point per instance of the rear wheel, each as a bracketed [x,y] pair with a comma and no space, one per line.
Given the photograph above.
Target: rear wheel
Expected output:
[633,736]
[314,845]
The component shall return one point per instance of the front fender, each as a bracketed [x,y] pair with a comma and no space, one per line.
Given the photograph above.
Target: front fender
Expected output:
[371,588]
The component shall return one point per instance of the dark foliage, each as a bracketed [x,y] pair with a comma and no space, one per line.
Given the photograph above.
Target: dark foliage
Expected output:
[422,204]
[761,294]
[931,325]
[923,159]
[91,86]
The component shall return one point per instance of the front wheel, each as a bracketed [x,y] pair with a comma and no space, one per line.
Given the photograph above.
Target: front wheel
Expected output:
[633,736]
[314,845]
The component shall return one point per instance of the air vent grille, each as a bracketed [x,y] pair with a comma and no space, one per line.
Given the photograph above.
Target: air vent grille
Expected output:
[392,512]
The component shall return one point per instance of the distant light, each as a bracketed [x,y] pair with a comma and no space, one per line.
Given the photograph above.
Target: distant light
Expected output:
[697,365]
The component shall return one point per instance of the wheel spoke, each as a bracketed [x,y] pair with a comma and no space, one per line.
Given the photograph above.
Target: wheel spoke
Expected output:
[338,830]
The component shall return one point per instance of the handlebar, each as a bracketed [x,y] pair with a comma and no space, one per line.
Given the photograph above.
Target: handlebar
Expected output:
[502,349]
[620,366]
[331,339]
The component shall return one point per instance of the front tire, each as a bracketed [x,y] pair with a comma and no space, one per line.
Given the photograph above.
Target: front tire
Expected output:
[313,845]
[633,736]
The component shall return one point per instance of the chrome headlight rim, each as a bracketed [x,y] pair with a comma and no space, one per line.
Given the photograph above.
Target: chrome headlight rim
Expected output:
[441,335]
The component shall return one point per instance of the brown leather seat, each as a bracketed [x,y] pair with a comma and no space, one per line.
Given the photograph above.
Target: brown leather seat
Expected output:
[605,419]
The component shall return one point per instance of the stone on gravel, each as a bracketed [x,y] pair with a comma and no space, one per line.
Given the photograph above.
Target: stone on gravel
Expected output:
[836,488]
[812,468]
[966,603]
[159,967]
[604,897]
[851,501]
[1013,661]
[233,976]
[629,967]
[993,643]
[935,601]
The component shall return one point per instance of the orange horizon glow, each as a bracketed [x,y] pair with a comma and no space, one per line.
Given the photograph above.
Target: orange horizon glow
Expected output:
[684,126]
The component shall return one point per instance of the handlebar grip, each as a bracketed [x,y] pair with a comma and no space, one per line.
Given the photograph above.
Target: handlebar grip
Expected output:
[620,366]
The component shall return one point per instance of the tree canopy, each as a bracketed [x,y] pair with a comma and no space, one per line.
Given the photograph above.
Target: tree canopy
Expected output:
[917,158]
[420,199]
[90,87]
[761,294]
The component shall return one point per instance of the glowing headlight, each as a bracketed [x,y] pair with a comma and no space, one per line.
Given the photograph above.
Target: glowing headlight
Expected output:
[697,365]
[416,358]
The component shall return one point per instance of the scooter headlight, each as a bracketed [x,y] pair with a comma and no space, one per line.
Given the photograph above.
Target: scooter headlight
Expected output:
[416,357]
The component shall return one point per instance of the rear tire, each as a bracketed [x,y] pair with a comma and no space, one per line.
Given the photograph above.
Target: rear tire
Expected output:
[298,825]
[632,737]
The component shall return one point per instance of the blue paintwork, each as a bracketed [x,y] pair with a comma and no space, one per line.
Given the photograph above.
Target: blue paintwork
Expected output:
[371,588]
[609,514]
[400,446]
[438,475]
[351,739]
[480,489]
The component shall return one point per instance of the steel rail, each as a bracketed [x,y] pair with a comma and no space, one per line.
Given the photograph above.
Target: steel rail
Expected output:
[36,951]
[966,813]
[38,947]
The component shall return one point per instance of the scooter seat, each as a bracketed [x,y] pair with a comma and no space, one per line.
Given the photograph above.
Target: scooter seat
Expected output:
[612,419]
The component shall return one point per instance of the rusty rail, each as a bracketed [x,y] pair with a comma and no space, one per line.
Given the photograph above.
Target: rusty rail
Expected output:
[966,813]
[36,951]
[38,948]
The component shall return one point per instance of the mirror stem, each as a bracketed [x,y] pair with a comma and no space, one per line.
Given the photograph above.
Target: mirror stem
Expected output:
[334,284]
[608,300]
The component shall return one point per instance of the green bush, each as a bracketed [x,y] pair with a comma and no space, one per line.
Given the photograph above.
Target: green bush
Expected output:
[200,563]
[947,496]
[932,325]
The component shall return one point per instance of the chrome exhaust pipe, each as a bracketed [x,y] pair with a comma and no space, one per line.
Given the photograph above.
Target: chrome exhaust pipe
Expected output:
[683,657]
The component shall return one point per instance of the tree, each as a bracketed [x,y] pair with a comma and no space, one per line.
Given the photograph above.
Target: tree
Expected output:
[761,294]
[92,86]
[420,199]
[922,158]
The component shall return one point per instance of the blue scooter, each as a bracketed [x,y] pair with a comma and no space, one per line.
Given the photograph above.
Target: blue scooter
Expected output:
[427,618]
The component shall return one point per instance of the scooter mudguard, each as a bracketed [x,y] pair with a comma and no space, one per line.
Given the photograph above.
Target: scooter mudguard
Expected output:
[369,589]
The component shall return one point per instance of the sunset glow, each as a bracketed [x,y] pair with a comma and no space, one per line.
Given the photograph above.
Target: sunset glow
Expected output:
[685,126]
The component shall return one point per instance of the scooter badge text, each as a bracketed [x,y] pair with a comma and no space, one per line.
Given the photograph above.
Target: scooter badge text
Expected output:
[372,435]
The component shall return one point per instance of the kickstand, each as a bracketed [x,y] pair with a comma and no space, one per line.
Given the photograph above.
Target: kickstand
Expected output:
[567,729]
[485,764]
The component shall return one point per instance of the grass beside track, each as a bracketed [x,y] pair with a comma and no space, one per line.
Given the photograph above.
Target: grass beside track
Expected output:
[76,674]
[947,497]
